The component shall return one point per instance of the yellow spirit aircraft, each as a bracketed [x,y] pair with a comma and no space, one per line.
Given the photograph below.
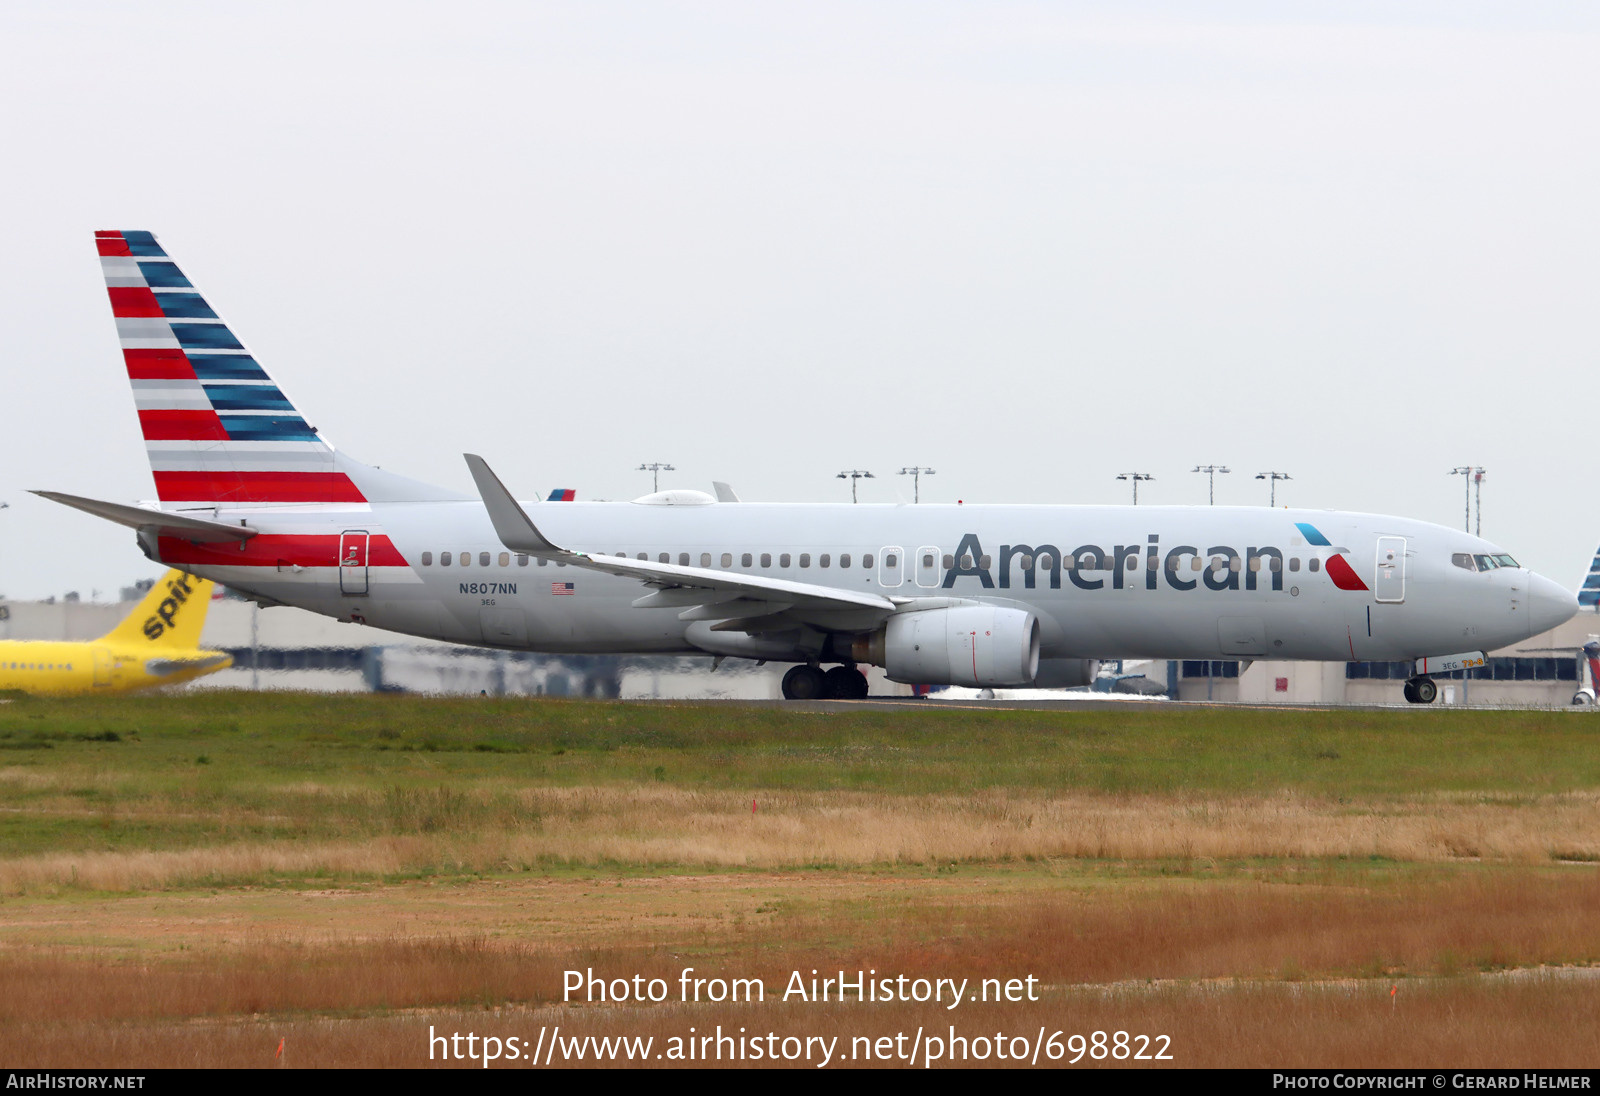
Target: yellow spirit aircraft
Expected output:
[157,644]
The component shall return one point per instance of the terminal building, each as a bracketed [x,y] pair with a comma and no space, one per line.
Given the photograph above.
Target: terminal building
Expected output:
[286,648]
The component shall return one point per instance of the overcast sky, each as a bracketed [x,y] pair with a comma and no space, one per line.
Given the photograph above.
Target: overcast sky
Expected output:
[1029,245]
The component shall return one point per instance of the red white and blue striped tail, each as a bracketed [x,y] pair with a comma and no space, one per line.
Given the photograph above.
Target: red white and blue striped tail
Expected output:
[217,429]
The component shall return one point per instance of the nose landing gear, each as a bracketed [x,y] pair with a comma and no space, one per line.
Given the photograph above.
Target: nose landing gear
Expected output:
[1421,690]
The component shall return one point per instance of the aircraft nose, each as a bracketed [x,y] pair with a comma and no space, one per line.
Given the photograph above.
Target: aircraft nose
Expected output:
[1549,604]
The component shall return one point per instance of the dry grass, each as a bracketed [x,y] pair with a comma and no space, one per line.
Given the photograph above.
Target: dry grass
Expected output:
[403,947]
[1541,1022]
[187,894]
[500,829]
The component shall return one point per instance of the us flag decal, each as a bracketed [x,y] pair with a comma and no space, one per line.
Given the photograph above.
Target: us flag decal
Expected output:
[562,588]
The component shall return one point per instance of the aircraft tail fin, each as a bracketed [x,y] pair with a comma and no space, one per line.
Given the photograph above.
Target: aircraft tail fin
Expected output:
[169,618]
[1589,592]
[218,430]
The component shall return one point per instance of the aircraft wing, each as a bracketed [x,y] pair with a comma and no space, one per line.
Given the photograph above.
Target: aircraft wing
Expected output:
[705,593]
[202,530]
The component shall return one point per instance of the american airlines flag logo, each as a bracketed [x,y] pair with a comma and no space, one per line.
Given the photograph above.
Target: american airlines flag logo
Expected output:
[562,588]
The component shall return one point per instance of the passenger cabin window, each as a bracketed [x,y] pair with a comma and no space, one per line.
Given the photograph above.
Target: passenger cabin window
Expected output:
[866,560]
[644,557]
[844,559]
[727,559]
[522,559]
[949,561]
[444,559]
[427,559]
[766,559]
[683,559]
[483,559]
[805,559]
[543,562]
[783,560]
[927,561]
[705,559]
[1294,563]
[1314,564]
[744,560]
[664,558]
[890,560]
[505,559]
[822,560]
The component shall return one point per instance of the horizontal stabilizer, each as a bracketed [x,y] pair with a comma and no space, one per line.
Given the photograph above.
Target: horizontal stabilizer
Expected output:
[199,530]
[166,667]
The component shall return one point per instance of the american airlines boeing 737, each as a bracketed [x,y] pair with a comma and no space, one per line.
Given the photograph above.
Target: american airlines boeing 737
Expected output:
[987,596]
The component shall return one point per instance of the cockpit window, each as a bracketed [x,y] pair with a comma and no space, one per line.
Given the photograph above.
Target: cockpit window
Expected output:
[1505,561]
[1486,563]
[1464,561]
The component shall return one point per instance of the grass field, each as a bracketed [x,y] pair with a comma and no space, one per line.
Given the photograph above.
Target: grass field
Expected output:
[191,879]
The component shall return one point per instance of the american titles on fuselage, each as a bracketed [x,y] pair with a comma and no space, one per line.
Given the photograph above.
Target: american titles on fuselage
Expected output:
[1219,567]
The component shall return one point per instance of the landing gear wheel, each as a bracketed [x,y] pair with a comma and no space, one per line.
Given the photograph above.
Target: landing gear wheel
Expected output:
[1421,690]
[846,683]
[804,683]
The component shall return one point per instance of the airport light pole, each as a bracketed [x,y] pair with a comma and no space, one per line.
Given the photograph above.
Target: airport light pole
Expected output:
[852,475]
[1211,471]
[1272,495]
[1477,492]
[1469,471]
[916,475]
[655,471]
[1137,478]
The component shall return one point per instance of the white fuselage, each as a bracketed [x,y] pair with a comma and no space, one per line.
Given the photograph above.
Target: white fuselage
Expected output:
[1129,585]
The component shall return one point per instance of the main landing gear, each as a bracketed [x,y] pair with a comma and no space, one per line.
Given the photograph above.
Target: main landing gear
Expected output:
[807,682]
[1421,690]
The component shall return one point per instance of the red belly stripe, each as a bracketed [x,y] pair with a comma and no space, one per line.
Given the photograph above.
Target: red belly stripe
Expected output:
[269,550]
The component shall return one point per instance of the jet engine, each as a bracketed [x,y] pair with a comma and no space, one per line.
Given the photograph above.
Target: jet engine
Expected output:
[976,645]
[1066,673]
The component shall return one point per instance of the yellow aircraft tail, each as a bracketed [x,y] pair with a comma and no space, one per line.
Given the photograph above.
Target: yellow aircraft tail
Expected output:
[170,616]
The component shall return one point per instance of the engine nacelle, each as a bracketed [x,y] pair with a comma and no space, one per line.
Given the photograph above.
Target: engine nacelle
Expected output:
[1066,673]
[976,645]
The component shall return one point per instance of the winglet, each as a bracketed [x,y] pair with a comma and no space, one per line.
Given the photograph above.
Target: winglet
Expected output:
[724,492]
[511,523]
